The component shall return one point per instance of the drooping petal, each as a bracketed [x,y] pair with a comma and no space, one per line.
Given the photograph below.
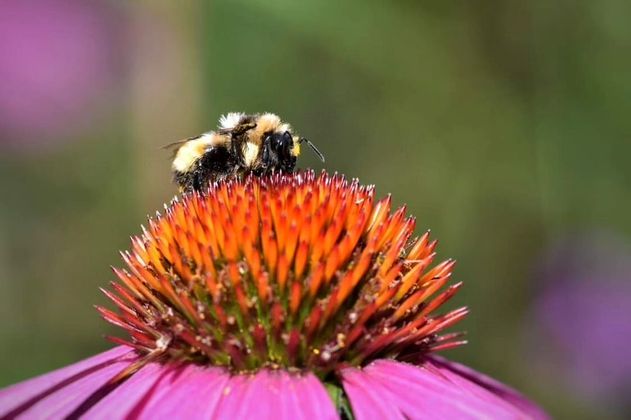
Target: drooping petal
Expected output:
[186,391]
[58,393]
[463,373]
[128,398]
[434,389]
[367,400]
[165,390]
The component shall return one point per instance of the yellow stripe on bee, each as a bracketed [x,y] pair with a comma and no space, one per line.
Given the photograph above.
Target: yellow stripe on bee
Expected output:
[250,153]
[194,149]
[295,151]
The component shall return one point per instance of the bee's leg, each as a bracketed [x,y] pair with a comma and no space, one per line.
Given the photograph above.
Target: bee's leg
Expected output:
[183,180]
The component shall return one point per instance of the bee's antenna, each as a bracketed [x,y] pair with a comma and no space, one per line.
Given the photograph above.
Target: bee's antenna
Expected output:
[315,149]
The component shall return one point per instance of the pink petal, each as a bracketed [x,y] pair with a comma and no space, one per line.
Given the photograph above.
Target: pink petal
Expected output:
[165,391]
[57,393]
[252,395]
[232,395]
[456,370]
[276,395]
[384,389]
[431,390]
[309,397]
[128,398]
[367,399]
[429,394]
[187,391]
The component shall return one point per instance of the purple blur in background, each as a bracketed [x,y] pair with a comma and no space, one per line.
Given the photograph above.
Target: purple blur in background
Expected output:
[57,60]
[583,312]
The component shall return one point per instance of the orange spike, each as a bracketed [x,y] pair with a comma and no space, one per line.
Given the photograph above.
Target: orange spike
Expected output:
[262,285]
[394,224]
[409,280]
[242,300]
[332,264]
[389,280]
[334,230]
[393,253]
[294,299]
[292,241]
[162,248]
[142,273]
[269,250]
[315,279]
[442,323]
[196,254]
[282,271]
[317,247]
[349,282]
[379,213]
[316,234]
[121,291]
[277,316]
[420,296]
[252,221]
[118,302]
[124,277]
[139,248]
[208,262]
[439,271]
[313,322]
[440,299]
[253,259]
[211,285]
[234,273]
[301,259]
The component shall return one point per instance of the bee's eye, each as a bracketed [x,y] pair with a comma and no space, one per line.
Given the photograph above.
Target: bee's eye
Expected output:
[287,139]
[282,141]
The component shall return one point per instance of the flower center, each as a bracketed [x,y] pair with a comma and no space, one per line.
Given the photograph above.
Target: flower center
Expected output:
[287,271]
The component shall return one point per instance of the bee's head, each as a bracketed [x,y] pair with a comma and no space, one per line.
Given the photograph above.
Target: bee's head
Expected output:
[279,151]
[282,143]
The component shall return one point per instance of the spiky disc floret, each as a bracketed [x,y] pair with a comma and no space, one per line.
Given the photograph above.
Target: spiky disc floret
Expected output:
[292,271]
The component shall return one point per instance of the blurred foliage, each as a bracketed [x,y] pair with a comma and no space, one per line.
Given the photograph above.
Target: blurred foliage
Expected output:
[503,125]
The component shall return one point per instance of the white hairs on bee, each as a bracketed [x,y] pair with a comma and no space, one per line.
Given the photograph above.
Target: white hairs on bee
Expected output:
[230,120]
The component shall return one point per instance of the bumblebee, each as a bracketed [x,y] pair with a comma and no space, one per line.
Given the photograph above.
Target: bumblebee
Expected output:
[243,144]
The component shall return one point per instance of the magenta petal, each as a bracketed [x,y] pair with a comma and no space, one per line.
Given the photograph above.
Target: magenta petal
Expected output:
[367,400]
[275,395]
[422,393]
[231,396]
[430,390]
[384,389]
[130,396]
[187,391]
[464,373]
[168,390]
[307,395]
[57,393]
[251,396]
[302,397]
[197,392]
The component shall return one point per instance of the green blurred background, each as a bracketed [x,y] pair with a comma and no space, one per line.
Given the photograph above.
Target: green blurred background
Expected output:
[503,125]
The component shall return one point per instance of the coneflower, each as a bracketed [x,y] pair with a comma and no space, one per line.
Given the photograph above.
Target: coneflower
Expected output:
[289,296]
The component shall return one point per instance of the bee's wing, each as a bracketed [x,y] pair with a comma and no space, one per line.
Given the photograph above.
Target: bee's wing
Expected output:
[175,146]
